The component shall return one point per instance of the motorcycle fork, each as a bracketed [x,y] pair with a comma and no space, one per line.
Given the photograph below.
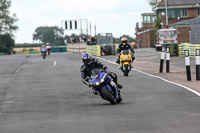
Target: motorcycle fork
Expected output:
[114,88]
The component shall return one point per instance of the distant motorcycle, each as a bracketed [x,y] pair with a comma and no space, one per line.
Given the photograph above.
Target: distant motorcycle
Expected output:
[48,49]
[43,53]
[126,60]
[100,81]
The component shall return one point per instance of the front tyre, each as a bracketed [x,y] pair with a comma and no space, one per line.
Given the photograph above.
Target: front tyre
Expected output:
[126,70]
[107,95]
[43,55]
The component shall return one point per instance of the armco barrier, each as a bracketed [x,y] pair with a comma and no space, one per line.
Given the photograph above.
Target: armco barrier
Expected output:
[94,50]
[58,49]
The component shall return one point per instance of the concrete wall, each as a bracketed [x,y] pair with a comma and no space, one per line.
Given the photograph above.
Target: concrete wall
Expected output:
[77,47]
[147,39]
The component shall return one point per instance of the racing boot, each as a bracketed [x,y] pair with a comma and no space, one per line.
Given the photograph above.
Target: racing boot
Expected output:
[120,97]
[120,66]
[94,91]
[118,60]
[119,86]
[133,58]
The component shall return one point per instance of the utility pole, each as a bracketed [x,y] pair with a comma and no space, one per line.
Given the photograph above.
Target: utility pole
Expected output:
[90,29]
[95,28]
[166,12]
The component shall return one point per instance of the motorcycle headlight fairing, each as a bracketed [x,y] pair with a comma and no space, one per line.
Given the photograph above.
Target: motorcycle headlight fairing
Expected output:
[125,58]
[97,83]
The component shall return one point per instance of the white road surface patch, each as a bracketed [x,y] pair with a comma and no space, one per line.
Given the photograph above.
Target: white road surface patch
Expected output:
[187,88]
[54,63]
[17,72]
[8,102]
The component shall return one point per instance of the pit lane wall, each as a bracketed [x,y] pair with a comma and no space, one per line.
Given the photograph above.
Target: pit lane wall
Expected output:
[77,47]
[82,47]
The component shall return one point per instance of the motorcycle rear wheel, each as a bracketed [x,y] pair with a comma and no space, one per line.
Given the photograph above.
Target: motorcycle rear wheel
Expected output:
[48,52]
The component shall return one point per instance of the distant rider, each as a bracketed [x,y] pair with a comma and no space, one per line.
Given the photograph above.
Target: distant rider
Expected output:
[89,64]
[124,46]
[43,49]
[48,46]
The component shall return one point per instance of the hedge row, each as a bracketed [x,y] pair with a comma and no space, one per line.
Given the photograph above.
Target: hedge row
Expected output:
[29,45]
[33,45]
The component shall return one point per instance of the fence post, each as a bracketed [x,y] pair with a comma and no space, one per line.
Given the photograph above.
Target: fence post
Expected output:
[168,59]
[197,64]
[162,58]
[187,64]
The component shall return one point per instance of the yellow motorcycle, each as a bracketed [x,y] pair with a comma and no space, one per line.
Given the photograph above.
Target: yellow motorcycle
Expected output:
[125,60]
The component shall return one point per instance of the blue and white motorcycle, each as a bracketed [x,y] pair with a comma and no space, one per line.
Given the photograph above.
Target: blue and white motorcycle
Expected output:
[43,52]
[101,82]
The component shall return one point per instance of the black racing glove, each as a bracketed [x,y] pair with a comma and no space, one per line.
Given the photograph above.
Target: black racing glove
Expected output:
[104,67]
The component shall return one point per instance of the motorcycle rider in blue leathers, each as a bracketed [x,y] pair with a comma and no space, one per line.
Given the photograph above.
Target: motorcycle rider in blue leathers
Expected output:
[43,49]
[89,64]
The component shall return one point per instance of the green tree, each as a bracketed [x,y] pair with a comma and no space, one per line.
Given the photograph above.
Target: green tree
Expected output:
[157,26]
[52,35]
[6,43]
[7,27]
[7,21]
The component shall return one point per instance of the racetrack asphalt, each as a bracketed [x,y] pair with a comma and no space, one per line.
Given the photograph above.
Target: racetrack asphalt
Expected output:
[48,96]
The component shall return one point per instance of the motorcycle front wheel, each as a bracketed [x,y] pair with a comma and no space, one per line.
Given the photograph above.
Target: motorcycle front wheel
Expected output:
[107,95]
[43,55]
[126,70]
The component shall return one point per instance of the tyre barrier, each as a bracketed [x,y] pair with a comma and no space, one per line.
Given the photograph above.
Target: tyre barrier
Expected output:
[94,50]
[187,46]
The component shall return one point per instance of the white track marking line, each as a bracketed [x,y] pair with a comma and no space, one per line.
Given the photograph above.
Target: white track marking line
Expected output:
[185,87]
[17,72]
[8,102]
[54,63]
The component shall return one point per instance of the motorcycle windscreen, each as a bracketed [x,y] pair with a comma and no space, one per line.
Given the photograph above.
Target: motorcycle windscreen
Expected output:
[125,52]
[96,74]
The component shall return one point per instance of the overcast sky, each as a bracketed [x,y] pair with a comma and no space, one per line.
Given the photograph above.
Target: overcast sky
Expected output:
[110,16]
